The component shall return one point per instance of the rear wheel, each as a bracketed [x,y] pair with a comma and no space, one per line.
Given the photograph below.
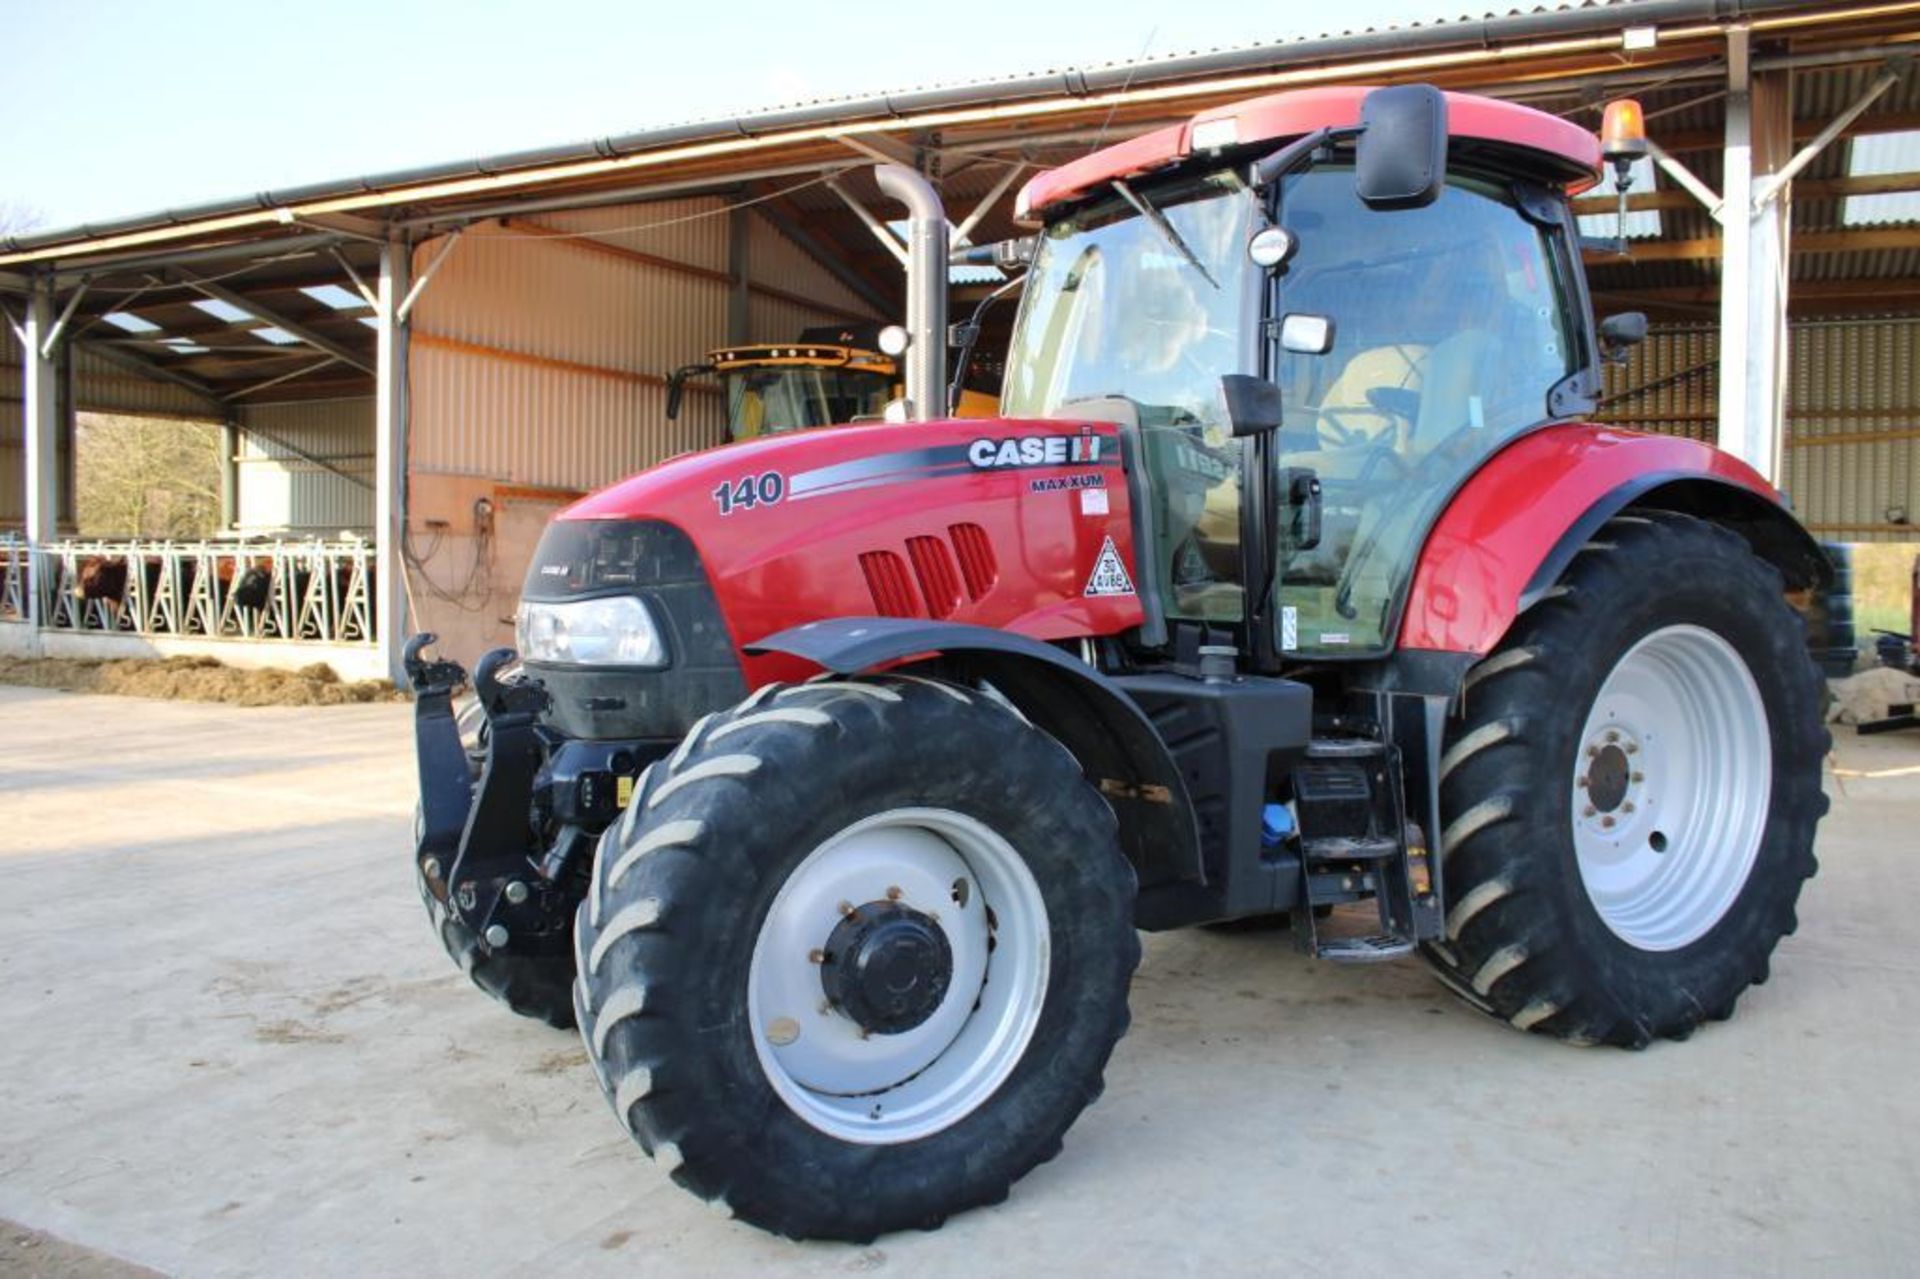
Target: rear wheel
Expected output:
[1630,793]
[856,956]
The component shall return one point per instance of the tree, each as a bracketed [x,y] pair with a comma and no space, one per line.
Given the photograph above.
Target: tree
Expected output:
[146,476]
[16,216]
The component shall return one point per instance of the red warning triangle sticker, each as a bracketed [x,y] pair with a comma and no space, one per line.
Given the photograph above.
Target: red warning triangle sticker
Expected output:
[1109,574]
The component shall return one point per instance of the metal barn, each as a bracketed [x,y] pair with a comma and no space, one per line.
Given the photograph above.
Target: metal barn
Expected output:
[412,371]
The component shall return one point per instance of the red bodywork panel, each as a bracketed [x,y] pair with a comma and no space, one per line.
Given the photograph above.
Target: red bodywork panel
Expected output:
[992,522]
[1503,522]
[1565,147]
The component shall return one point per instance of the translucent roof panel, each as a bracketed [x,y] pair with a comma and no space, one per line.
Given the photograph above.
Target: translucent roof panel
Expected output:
[1876,153]
[223,310]
[279,337]
[340,299]
[1641,224]
[130,322]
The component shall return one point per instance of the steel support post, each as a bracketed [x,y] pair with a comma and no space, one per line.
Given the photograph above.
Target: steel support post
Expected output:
[229,477]
[390,621]
[1753,264]
[40,433]
[739,321]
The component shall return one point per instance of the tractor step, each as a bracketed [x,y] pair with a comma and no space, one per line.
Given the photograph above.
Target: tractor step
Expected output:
[1350,848]
[1345,748]
[1363,950]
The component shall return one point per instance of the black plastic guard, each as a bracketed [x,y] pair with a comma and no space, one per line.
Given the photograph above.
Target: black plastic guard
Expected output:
[446,781]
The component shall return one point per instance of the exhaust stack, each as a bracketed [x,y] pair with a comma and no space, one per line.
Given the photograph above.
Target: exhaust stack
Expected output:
[926,357]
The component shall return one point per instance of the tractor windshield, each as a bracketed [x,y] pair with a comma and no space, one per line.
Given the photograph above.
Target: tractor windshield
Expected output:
[1449,327]
[767,401]
[1122,320]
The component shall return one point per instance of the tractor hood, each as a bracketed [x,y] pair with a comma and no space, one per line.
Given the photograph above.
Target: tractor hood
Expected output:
[1018,525]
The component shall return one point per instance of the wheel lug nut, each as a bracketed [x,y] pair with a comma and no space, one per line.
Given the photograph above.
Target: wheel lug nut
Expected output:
[496,936]
[1632,749]
[516,892]
[1588,811]
[1593,752]
[782,1031]
[846,908]
[817,956]
[894,894]
[1627,807]
[1582,783]
[1639,777]
[1612,736]
[1607,822]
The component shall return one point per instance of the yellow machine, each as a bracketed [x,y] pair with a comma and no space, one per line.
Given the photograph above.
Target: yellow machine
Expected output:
[830,377]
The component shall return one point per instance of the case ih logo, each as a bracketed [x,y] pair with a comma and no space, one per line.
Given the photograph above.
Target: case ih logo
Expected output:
[1034,450]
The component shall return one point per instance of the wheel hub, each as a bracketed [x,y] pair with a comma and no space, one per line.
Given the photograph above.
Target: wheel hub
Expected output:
[1670,789]
[887,966]
[1613,780]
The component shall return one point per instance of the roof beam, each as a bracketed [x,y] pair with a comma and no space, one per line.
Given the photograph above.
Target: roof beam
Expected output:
[318,341]
[148,369]
[1862,241]
[878,146]
[831,252]
[1803,130]
[1803,189]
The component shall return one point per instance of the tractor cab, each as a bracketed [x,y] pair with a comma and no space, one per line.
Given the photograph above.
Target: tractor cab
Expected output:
[829,377]
[1409,336]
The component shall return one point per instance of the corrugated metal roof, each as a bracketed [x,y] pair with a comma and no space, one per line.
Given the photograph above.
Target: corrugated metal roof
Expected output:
[1066,85]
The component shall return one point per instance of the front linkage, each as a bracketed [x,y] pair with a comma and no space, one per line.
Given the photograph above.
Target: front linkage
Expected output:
[479,850]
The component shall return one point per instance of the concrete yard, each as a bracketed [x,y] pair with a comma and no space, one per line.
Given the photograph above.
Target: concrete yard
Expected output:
[229,1045]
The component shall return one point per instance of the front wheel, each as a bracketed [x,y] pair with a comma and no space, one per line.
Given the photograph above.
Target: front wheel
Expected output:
[1630,792]
[856,956]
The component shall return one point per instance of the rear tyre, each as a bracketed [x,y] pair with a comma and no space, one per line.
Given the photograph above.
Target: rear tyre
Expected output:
[1630,793]
[540,987]
[856,956]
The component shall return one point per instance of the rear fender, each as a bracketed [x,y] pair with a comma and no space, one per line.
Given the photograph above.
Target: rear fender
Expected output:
[1512,530]
[1113,740]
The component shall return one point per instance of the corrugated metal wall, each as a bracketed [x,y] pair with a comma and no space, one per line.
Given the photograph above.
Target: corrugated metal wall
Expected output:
[541,360]
[538,361]
[775,260]
[327,491]
[1852,458]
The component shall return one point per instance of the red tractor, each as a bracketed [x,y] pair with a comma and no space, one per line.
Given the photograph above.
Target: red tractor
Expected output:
[842,766]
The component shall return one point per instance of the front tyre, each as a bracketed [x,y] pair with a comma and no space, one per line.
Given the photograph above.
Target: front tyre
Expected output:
[1630,792]
[535,986]
[856,956]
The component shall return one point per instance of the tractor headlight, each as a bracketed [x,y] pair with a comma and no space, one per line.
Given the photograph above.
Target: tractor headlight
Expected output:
[611,630]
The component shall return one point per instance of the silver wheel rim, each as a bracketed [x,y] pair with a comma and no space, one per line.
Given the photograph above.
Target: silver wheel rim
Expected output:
[881,1089]
[1671,787]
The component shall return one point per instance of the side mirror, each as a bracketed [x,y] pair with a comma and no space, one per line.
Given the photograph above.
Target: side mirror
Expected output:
[1618,332]
[677,386]
[1400,159]
[1253,404]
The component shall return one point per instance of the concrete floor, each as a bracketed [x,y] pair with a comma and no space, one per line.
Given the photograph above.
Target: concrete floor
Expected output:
[229,1045]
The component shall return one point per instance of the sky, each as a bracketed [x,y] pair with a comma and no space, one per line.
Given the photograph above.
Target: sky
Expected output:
[119,107]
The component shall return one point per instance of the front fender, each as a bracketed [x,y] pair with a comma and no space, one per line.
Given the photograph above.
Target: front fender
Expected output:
[1512,529]
[1113,740]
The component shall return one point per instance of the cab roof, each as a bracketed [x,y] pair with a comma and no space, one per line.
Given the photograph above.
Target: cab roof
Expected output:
[1564,152]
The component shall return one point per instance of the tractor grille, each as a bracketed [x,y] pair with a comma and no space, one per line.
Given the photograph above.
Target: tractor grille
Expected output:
[977,566]
[889,584]
[661,565]
[939,580]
